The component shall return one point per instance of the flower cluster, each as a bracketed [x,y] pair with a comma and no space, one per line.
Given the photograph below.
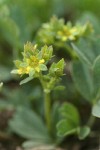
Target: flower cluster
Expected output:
[34,60]
[57,31]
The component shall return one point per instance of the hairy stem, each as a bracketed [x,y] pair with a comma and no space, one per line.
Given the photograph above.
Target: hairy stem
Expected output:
[47,109]
[47,103]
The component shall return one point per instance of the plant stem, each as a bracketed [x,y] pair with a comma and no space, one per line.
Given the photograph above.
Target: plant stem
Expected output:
[47,108]
[47,103]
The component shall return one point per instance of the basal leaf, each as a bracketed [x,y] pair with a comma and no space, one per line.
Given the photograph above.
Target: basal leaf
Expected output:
[29,125]
[65,128]
[82,77]
[70,112]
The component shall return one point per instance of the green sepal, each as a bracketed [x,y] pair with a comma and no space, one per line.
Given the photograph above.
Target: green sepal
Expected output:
[17,63]
[23,64]
[43,67]
[26,80]
[57,68]
[15,71]
[32,72]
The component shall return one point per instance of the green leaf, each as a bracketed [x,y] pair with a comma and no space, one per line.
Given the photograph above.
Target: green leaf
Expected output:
[65,128]
[28,124]
[26,80]
[70,112]
[87,49]
[31,144]
[55,117]
[17,98]
[96,109]
[83,79]
[5,105]
[43,67]
[96,74]
[96,46]
[81,55]
[83,132]
[70,120]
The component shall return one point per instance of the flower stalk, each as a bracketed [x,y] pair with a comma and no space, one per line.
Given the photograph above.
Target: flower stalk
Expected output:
[47,109]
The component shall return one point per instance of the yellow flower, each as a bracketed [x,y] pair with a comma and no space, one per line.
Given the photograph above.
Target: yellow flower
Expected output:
[41,61]
[64,33]
[32,63]
[21,71]
[33,60]
[37,69]
[28,69]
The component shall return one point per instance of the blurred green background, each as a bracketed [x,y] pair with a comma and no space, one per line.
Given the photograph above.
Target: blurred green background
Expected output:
[19,23]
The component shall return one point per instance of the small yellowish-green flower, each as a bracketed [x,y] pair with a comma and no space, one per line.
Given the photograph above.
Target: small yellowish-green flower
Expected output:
[34,60]
[66,34]
[72,33]
[57,31]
